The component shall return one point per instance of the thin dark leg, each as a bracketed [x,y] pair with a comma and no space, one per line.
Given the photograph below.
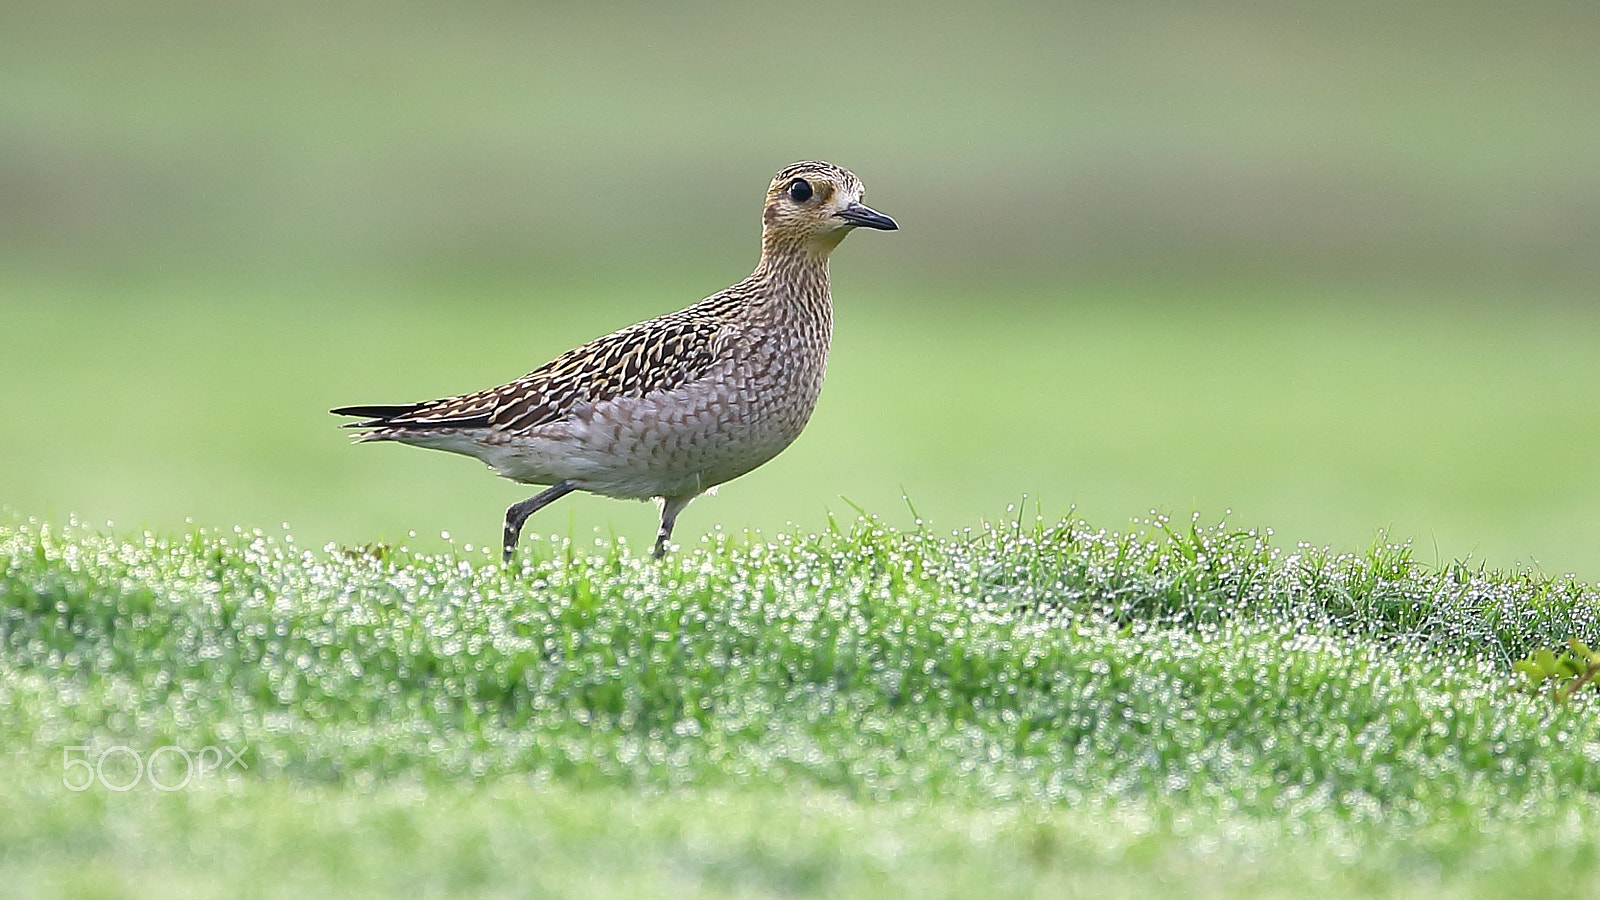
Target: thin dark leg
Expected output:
[519,512]
[670,507]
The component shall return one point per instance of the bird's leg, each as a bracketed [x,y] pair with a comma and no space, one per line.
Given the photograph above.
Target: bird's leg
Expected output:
[519,512]
[670,507]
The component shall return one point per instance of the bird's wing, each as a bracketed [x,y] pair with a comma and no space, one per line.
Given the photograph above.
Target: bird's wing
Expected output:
[660,354]
[654,356]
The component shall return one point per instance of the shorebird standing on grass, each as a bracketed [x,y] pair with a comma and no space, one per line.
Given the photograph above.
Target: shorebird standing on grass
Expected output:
[673,406]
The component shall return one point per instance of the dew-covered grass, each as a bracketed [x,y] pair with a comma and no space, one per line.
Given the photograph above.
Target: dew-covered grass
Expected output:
[1022,708]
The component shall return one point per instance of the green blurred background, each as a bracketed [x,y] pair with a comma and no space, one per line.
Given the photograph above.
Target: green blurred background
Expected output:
[1333,267]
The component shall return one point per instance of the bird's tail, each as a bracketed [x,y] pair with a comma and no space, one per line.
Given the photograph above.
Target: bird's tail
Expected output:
[376,416]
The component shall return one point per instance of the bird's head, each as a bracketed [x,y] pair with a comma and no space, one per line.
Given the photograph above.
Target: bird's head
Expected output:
[812,205]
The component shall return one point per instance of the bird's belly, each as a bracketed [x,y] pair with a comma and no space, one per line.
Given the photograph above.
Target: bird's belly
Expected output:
[668,443]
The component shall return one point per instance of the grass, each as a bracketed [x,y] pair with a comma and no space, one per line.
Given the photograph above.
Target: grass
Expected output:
[1024,708]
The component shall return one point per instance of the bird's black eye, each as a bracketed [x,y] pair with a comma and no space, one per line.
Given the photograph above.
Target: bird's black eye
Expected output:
[799,190]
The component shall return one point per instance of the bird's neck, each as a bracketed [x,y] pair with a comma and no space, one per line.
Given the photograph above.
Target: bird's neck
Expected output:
[795,273]
[791,313]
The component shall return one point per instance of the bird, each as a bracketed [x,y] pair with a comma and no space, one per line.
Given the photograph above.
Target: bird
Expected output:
[671,407]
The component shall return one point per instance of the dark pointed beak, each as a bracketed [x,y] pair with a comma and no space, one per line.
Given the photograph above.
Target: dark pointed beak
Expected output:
[866,216]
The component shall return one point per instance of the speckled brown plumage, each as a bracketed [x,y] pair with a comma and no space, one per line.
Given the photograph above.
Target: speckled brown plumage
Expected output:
[672,406]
